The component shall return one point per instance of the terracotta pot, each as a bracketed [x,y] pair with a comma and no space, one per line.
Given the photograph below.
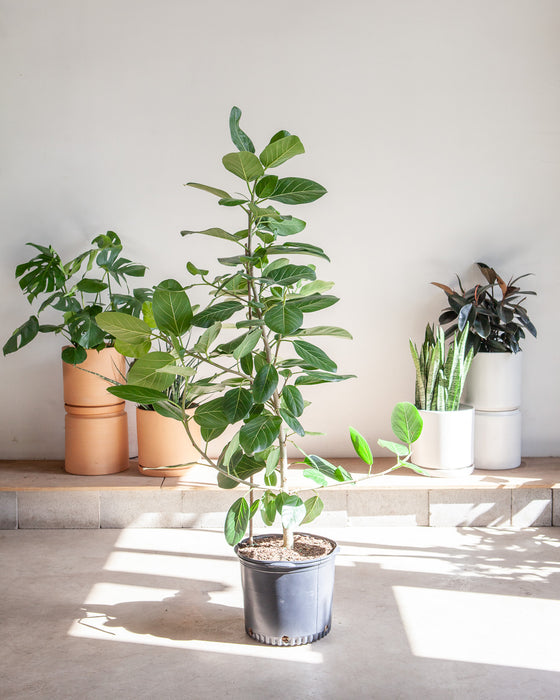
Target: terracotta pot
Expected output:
[96,439]
[84,389]
[163,442]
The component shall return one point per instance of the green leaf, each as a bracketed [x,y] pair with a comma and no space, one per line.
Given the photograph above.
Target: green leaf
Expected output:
[314,356]
[137,394]
[279,135]
[248,344]
[144,371]
[259,433]
[209,434]
[243,164]
[406,422]
[272,460]
[213,233]
[232,203]
[268,508]
[325,330]
[74,355]
[321,378]
[297,190]
[194,270]
[217,312]
[284,319]
[292,422]
[263,213]
[303,248]
[280,151]
[314,302]
[340,474]
[207,338]
[237,520]
[207,188]
[293,400]
[291,508]
[361,447]
[126,328]
[237,403]
[172,311]
[91,286]
[238,136]
[265,383]
[22,335]
[290,274]
[321,465]
[266,186]
[316,476]
[133,349]
[287,227]
[244,469]
[395,447]
[313,509]
[211,414]
[177,371]
[167,409]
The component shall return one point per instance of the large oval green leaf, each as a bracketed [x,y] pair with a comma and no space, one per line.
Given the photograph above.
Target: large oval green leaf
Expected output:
[172,311]
[361,446]
[237,403]
[144,371]
[211,414]
[137,394]
[290,274]
[291,508]
[314,356]
[313,508]
[406,422]
[265,383]
[280,151]
[314,302]
[124,327]
[284,319]
[243,164]
[259,433]
[293,400]
[217,312]
[248,344]
[237,519]
[297,190]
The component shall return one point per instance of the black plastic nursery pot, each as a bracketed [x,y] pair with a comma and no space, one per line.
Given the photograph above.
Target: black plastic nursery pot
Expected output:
[288,603]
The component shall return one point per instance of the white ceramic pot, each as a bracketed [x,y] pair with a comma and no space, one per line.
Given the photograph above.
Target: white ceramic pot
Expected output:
[498,439]
[446,446]
[494,382]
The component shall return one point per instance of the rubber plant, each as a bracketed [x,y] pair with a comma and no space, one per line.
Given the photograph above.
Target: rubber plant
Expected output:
[78,290]
[248,355]
[495,312]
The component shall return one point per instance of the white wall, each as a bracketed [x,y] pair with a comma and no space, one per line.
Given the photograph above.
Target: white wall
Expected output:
[434,124]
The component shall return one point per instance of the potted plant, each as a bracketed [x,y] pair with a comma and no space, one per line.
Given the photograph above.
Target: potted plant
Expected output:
[497,320]
[246,358]
[96,434]
[445,447]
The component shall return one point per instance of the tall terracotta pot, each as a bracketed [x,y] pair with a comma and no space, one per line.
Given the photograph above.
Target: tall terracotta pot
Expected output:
[163,442]
[96,425]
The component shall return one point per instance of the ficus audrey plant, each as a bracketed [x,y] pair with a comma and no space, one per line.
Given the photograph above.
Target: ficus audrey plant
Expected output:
[78,290]
[249,353]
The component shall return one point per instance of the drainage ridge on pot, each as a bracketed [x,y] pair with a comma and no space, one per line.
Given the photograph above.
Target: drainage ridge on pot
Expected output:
[288,603]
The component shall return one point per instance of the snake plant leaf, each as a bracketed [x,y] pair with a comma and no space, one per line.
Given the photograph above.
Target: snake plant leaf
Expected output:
[361,446]
[243,164]
[23,335]
[406,422]
[172,310]
[237,520]
[284,319]
[314,356]
[280,151]
[265,383]
[144,371]
[259,433]
[123,327]
[313,509]
[297,190]
[238,136]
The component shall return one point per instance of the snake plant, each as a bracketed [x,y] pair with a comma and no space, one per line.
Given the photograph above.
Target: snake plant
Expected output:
[440,378]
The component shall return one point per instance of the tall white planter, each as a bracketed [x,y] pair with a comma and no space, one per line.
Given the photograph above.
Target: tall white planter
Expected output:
[446,446]
[493,387]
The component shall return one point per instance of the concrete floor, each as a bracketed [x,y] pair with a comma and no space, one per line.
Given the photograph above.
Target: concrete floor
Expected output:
[436,612]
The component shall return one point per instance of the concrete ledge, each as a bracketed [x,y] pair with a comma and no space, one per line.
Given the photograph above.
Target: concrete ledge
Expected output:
[37,494]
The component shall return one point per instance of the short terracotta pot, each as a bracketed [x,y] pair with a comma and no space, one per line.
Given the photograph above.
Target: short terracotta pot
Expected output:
[163,442]
[84,389]
[96,439]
